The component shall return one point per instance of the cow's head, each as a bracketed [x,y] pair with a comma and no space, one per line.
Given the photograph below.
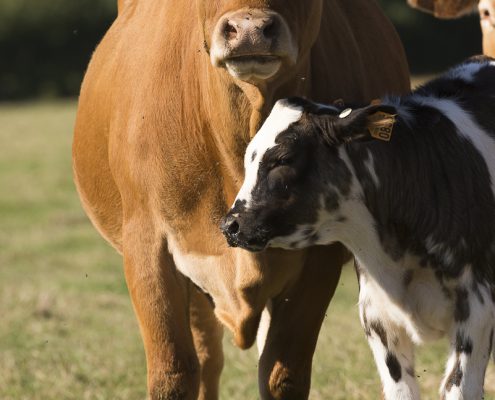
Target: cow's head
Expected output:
[445,8]
[255,40]
[296,180]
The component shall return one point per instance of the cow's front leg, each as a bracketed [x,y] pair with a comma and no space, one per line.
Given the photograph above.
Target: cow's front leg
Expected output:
[296,318]
[471,344]
[207,333]
[392,347]
[160,298]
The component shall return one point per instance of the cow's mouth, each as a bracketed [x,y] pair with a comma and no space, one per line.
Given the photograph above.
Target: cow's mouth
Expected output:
[253,67]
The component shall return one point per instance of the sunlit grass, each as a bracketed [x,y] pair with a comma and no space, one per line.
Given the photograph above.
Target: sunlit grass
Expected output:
[67,330]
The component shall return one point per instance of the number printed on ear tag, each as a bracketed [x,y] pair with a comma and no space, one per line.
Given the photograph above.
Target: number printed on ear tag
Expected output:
[381,125]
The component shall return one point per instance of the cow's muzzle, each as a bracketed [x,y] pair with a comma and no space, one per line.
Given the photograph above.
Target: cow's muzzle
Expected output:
[252,44]
[239,235]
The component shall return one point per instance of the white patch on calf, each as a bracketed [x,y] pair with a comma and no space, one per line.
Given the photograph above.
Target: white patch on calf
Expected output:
[438,249]
[282,115]
[369,163]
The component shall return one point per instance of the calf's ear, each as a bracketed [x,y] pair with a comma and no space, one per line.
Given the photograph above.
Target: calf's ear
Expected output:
[368,123]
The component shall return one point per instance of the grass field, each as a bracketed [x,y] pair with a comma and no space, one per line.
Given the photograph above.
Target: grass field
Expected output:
[67,330]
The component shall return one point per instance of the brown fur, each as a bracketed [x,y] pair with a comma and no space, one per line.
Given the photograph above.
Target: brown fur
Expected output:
[157,154]
[487,19]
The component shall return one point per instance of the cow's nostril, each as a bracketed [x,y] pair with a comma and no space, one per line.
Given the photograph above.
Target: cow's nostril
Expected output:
[233,228]
[230,31]
[485,13]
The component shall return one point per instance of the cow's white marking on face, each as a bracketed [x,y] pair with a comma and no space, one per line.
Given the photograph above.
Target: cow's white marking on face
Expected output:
[282,115]
[466,127]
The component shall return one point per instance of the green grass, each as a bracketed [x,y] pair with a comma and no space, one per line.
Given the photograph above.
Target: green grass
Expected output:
[67,330]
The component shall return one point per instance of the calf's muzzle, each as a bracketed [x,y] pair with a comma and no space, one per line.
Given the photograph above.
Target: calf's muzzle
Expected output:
[239,233]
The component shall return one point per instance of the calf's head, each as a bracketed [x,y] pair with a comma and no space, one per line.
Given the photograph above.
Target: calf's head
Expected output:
[255,40]
[295,176]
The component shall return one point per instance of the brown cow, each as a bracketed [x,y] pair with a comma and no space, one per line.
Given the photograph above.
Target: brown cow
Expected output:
[457,8]
[445,8]
[170,100]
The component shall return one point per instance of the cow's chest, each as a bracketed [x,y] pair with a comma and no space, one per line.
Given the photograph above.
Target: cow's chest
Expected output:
[411,297]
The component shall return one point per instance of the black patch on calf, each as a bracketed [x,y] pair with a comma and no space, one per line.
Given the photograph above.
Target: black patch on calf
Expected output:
[408,276]
[253,156]
[455,377]
[476,290]
[434,183]
[292,177]
[490,345]
[461,312]
[463,344]
[331,200]
[377,327]
[394,367]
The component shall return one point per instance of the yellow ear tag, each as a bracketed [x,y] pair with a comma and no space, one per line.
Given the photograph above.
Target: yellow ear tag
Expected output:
[381,125]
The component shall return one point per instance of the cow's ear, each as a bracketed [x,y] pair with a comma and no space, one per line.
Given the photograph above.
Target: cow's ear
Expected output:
[445,8]
[371,122]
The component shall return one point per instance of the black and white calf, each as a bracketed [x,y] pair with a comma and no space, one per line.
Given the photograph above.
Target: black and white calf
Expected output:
[417,209]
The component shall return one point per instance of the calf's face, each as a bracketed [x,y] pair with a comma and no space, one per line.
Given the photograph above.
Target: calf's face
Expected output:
[279,171]
[295,176]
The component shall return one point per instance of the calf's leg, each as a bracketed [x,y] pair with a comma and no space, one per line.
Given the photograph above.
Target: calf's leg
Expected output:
[471,344]
[160,298]
[392,347]
[207,334]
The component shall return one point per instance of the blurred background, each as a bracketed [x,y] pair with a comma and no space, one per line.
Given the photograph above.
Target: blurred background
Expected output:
[46,45]
[67,329]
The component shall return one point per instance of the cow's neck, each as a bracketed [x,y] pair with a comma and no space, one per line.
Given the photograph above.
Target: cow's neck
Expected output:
[235,111]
